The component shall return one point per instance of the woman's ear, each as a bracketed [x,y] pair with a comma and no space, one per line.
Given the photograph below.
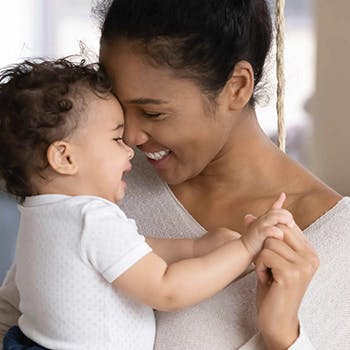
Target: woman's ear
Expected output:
[239,88]
[61,158]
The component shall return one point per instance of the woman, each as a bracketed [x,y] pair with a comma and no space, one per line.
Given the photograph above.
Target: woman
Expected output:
[185,73]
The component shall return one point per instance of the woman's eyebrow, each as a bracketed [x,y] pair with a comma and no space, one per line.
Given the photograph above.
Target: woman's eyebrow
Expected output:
[144,101]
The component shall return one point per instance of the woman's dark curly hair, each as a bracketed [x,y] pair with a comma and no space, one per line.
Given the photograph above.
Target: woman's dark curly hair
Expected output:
[38,105]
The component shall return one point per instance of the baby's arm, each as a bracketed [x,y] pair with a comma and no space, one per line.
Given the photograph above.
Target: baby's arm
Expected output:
[170,287]
[186,282]
[172,250]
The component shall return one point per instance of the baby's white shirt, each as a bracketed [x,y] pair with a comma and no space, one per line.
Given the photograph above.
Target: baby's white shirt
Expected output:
[69,250]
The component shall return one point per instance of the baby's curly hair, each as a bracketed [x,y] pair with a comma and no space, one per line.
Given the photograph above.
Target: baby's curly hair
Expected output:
[38,105]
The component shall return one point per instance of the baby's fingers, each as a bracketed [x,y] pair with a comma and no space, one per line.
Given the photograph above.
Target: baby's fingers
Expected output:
[277,216]
[254,240]
[272,232]
[279,202]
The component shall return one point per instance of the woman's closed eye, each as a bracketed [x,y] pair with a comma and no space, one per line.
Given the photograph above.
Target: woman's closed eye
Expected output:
[153,115]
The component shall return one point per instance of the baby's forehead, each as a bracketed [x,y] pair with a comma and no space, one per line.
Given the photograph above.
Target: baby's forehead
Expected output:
[101,111]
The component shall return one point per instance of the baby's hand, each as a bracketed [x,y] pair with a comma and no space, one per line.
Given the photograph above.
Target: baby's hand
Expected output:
[213,240]
[258,229]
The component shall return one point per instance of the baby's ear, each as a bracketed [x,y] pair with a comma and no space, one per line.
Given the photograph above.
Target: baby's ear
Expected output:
[61,158]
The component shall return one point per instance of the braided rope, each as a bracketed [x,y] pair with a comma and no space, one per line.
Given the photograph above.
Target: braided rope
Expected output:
[279,15]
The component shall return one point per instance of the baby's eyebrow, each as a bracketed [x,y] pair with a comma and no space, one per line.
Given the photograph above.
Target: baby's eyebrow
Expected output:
[120,126]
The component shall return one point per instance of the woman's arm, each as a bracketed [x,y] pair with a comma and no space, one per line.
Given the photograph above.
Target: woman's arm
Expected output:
[302,343]
[9,303]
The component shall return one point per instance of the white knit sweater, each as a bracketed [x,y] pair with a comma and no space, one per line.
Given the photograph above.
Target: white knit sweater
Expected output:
[227,320]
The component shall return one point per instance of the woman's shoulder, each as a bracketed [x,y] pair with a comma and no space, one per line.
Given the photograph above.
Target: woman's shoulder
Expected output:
[329,235]
[319,205]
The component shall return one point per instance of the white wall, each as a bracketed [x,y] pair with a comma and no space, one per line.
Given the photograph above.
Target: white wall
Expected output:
[48,28]
[330,105]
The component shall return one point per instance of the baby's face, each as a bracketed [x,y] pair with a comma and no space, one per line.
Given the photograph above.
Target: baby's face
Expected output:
[101,155]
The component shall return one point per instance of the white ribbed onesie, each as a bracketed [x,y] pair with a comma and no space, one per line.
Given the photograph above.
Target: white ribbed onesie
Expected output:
[69,250]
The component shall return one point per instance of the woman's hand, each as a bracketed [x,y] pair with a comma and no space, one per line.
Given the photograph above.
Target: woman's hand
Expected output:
[284,269]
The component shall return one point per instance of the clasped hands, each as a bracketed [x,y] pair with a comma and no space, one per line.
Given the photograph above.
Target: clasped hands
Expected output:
[285,263]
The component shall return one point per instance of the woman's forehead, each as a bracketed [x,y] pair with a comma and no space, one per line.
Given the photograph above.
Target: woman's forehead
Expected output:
[134,79]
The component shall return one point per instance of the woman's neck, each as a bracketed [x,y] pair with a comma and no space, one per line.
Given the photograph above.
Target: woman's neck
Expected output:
[247,177]
[248,164]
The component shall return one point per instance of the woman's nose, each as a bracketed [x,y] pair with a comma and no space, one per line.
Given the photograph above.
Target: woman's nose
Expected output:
[134,135]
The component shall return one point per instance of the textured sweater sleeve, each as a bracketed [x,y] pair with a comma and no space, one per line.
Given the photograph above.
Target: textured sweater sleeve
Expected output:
[302,343]
[9,303]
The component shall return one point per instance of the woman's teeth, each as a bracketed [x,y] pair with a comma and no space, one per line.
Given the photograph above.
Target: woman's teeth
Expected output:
[157,155]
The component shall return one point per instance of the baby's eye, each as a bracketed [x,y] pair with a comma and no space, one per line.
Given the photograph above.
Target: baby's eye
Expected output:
[118,139]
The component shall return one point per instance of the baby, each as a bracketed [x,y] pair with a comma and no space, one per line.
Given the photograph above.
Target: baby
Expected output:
[87,278]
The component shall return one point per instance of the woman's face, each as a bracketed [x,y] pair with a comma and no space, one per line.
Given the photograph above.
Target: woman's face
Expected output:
[167,118]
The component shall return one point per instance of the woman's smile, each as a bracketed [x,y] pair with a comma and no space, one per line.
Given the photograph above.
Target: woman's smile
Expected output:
[159,159]
[157,155]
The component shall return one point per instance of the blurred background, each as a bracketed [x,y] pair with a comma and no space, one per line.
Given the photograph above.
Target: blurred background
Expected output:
[317,54]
